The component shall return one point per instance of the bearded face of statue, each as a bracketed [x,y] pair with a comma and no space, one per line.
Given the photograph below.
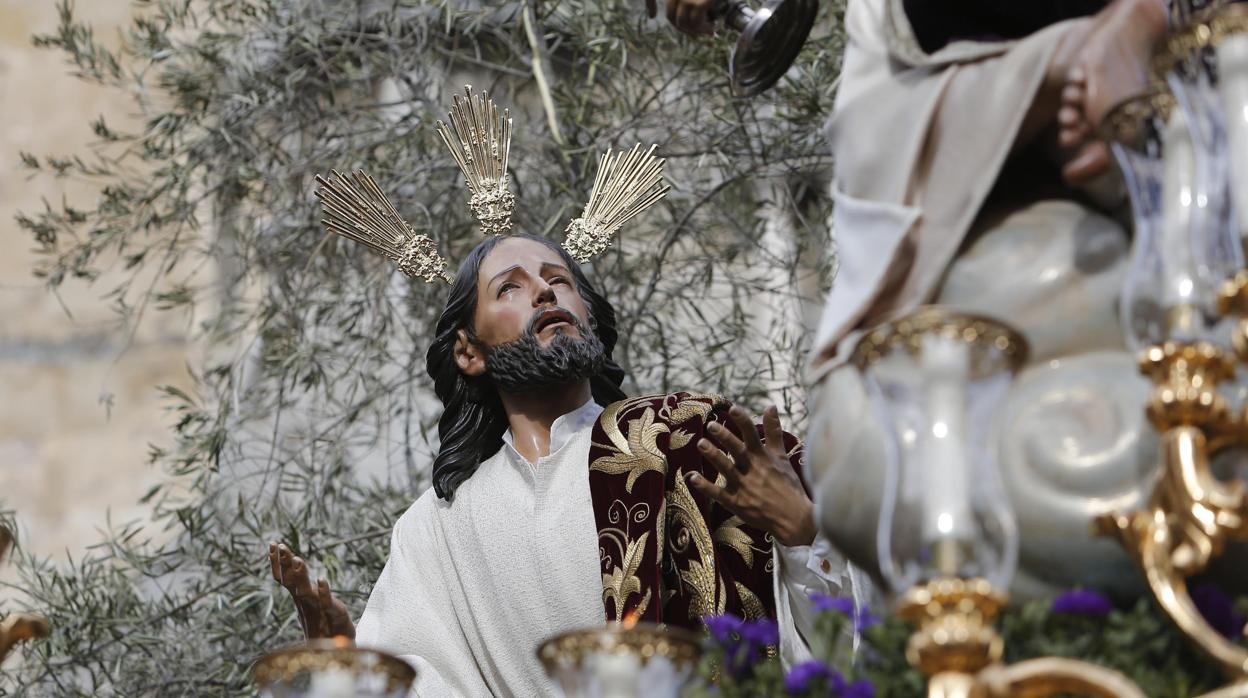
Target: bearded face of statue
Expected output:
[521,316]
[571,353]
[531,328]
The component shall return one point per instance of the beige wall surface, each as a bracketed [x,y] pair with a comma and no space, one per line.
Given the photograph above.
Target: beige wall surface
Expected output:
[78,404]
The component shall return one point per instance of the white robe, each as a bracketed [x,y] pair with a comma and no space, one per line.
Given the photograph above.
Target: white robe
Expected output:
[472,588]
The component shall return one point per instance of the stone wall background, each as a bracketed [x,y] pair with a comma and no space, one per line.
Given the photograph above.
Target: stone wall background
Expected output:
[78,404]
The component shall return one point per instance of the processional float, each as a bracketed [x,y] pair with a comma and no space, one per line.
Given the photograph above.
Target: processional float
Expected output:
[947,542]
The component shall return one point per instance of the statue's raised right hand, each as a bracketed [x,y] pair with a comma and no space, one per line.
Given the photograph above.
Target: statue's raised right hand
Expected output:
[320,614]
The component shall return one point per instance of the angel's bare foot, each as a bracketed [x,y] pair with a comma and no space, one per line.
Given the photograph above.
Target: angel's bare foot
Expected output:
[1111,66]
[320,614]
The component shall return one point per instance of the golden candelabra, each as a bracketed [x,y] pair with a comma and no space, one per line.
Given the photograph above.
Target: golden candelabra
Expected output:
[960,652]
[1187,522]
[1190,515]
[17,627]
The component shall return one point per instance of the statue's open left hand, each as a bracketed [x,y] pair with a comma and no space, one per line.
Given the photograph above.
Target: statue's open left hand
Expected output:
[760,484]
[320,614]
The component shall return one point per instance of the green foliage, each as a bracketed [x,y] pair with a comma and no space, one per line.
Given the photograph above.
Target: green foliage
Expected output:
[311,419]
[1138,641]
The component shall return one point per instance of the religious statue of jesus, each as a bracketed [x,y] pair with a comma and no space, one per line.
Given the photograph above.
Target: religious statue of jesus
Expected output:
[557,502]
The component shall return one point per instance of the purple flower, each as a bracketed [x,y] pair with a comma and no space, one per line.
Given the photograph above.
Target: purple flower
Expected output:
[807,676]
[825,603]
[760,633]
[742,641]
[799,678]
[1082,602]
[1218,610]
[725,629]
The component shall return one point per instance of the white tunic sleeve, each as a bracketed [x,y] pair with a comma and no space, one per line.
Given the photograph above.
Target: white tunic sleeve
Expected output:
[409,613]
[800,572]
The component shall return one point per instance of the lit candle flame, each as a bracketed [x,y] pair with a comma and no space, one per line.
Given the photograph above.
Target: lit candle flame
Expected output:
[630,619]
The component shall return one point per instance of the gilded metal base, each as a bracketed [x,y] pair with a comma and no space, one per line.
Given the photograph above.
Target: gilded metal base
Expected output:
[645,640]
[1235,690]
[287,666]
[1048,676]
[957,647]
[1191,515]
[955,633]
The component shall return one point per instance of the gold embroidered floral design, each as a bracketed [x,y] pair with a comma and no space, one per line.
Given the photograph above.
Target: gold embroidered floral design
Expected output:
[689,407]
[752,607]
[623,582]
[679,439]
[638,453]
[688,527]
[729,533]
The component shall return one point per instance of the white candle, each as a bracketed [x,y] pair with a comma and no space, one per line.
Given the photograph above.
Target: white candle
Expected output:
[942,452]
[1180,203]
[617,674]
[332,683]
[1233,88]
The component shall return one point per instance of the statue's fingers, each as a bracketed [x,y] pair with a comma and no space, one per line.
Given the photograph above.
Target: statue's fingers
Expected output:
[710,489]
[275,564]
[325,606]
[772,432]
[745,424]
[720,436]
[301,584]
[336,613]
[725,464]
[285,559]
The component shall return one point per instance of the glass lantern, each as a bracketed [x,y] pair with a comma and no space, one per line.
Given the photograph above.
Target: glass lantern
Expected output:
[332,669]
[621,660]
[1184,245]
[937,378]
[1205,65]
[1231,58]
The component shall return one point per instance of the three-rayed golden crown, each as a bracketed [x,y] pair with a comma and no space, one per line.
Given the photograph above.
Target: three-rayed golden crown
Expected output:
[479,138]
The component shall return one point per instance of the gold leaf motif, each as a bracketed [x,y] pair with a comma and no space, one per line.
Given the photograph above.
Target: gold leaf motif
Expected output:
[750,604]
[687,523]
[729,533]
[639,454]
[661,531]
[610,421]
[679,439]
[701,579]
[691,406]
[624,582]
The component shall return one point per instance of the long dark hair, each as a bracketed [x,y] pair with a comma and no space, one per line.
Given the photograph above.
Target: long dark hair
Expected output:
[473,422]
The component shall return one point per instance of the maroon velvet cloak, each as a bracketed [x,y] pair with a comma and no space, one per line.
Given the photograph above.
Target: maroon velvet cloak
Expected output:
[669,554]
